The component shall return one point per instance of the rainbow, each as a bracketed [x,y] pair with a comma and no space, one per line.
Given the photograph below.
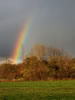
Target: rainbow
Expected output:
[17,52]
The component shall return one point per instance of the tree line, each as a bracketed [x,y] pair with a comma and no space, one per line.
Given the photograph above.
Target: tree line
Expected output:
[42,63]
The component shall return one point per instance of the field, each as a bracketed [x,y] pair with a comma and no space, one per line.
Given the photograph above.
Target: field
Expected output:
[51,90]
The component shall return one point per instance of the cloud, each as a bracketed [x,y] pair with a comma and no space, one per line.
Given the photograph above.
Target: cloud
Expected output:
[53,23]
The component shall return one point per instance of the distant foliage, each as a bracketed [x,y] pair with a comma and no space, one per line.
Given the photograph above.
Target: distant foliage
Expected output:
[43,63]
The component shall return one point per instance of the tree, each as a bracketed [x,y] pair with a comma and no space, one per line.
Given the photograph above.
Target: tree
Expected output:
[39,51]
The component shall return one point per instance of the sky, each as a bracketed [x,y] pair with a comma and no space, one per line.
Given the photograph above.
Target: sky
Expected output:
[53,24]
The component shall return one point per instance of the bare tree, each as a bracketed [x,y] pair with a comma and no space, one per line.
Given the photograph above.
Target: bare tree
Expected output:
[39,51]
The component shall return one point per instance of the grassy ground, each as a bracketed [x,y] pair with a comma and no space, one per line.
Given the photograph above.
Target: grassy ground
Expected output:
[53,90]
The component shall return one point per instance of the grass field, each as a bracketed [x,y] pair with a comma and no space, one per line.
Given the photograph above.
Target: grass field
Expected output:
[53,90]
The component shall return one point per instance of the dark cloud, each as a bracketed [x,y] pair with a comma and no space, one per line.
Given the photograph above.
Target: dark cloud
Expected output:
[53,23]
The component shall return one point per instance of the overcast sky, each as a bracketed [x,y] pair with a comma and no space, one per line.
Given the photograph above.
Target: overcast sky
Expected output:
[53,24]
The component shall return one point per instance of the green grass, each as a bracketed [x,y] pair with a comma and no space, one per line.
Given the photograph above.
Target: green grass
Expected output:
[52,90]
